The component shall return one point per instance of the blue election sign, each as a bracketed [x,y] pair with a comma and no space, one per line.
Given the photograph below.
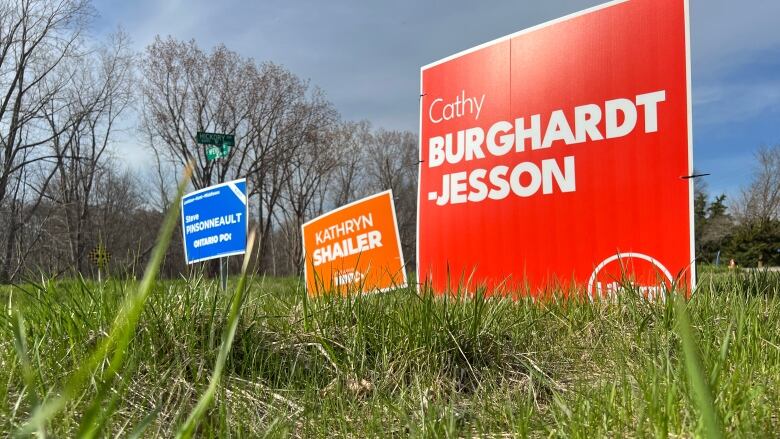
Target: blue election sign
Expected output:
[214,221]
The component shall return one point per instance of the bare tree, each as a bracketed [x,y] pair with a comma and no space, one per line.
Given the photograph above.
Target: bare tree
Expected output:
[760,202]
[286,110]
[349,176]
[185,91]
[61,101]
[391,163]
[37,38]
[20,233]
[126,227]
[308,172]
[39,41]
[102,91]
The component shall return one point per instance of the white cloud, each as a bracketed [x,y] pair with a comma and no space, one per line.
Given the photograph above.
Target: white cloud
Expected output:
[728,33]
[724,102]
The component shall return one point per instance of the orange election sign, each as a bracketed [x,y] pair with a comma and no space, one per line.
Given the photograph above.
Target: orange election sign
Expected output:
[355,248]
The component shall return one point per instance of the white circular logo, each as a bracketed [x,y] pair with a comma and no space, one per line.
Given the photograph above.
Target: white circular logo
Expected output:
[651,291]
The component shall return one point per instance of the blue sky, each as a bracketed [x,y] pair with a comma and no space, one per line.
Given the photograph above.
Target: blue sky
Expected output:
[366,56]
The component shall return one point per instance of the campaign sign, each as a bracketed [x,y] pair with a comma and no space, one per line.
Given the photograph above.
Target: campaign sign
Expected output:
[557,156]
[355,248]
[214,221]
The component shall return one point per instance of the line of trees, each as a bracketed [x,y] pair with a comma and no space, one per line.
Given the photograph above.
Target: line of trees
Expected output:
[61,97]
[66,99]
[748,231]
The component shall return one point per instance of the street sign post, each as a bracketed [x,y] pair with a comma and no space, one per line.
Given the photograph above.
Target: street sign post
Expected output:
[214,223]
[556,156]
[218,146]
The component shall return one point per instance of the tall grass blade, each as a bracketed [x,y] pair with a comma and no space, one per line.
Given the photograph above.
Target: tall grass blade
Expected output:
[20,345]
[188,428]
[139,429]
[696,375]
[115,344]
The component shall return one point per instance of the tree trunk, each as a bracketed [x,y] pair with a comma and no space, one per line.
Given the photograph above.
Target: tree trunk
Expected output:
[5,271]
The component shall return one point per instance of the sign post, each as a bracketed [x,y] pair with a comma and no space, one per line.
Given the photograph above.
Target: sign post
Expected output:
[557,156]
[218,146]
[223,272]
[214,224]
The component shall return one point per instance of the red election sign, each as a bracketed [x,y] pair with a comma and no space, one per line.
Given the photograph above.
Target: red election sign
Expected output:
[555,156]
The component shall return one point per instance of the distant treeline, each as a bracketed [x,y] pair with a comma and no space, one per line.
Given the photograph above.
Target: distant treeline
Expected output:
[67,99]
[746,230]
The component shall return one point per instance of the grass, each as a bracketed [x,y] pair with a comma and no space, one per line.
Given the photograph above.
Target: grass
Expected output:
[394,364]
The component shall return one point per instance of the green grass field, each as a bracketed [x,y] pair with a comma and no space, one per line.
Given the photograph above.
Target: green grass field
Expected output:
[183,359]
[393,364]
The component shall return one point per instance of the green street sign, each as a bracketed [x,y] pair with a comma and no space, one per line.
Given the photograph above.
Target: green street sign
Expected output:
[218,145]
[214,152]
[215,138]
